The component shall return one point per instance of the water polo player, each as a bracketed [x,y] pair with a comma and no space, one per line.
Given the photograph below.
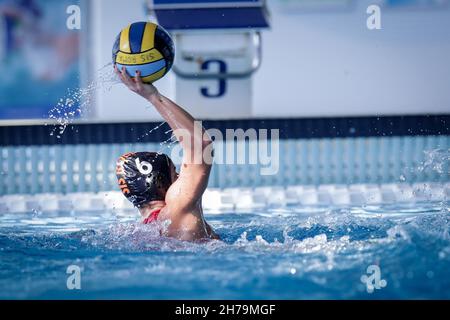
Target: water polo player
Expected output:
[150,181]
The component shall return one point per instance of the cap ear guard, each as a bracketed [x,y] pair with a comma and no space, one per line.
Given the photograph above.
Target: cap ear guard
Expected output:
[144,176]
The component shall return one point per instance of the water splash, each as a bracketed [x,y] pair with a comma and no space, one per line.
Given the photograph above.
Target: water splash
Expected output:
[326,256]
[76,102]
[165,144]
[169,142]
[436,160]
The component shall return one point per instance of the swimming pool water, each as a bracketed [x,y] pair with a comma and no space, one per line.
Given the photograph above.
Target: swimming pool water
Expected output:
[290,253]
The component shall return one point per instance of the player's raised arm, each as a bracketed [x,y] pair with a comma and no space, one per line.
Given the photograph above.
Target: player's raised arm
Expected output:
[195,169]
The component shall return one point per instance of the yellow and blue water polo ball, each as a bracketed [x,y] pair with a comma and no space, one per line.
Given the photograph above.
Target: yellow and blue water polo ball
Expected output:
[144,47]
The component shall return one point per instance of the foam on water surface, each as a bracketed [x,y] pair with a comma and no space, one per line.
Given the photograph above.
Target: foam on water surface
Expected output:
[293,251]
[321,254]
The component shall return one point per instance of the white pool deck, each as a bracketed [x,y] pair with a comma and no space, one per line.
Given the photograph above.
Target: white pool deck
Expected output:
[241,199]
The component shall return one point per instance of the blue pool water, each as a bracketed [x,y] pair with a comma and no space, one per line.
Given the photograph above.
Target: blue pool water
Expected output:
[291,253]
